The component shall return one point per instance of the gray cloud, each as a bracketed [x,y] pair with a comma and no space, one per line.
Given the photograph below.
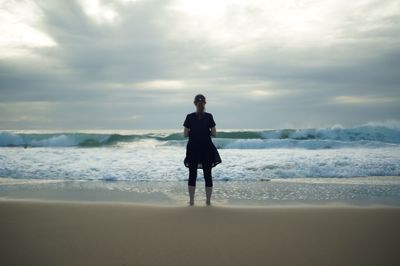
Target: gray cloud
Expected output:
[143,70]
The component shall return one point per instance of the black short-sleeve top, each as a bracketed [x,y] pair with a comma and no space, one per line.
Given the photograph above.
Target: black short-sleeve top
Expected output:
[199,128]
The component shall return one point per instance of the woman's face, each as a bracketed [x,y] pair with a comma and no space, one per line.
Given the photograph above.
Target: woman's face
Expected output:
[200,105]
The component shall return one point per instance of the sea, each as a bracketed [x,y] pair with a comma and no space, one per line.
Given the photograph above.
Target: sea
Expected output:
[331,165]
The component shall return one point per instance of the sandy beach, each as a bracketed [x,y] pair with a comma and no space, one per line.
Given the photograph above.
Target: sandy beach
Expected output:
[85,233]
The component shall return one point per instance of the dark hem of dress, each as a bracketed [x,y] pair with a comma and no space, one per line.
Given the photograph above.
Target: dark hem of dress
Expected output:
[216,158]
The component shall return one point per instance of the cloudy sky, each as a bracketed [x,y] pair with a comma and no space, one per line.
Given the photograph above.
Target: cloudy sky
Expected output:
[138,64]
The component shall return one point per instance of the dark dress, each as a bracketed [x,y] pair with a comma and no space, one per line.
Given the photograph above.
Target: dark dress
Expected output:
[200,148]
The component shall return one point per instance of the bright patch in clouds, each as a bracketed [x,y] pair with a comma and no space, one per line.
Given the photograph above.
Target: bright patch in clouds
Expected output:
[360,100]
[284,23]
[261,93]
[17,28]
[154,85]
[163,84]
[99,12]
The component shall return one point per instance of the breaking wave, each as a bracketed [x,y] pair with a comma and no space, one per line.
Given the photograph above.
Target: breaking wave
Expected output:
[370,135]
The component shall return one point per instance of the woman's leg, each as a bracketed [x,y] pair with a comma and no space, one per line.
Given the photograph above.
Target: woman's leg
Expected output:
[192,181]
[207,174]
[208,179]
[192,174]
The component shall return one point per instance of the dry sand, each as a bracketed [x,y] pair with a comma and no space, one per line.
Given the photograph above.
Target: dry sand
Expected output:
[68,233]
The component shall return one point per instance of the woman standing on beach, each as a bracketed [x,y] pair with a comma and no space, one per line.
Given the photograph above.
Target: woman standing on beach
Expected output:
[201,153]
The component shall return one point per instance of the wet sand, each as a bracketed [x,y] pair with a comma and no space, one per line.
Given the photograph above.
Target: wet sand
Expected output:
[84,233]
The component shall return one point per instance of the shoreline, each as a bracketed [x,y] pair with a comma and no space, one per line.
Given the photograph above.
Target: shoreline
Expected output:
[98,233]
[280,205]
[380,191]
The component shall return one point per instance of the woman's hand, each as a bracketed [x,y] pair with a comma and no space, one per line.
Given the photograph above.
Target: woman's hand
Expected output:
[186,132]
[213,132]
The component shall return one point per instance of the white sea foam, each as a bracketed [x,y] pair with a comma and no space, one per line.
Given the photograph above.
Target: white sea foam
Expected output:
[372,149]
[165,163]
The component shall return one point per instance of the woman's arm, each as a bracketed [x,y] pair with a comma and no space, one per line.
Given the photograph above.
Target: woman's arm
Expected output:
[186,132]
[213,131]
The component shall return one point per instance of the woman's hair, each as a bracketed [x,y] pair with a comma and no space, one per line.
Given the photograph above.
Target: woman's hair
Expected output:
[198,98]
